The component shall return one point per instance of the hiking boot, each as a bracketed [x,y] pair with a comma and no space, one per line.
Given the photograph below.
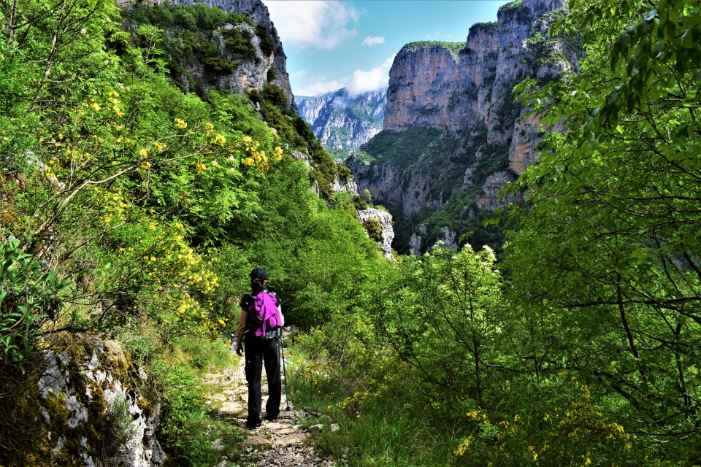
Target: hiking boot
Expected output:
[253,425]
[271,417]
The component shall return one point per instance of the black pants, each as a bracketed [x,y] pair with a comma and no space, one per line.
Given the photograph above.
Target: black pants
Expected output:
[258,351]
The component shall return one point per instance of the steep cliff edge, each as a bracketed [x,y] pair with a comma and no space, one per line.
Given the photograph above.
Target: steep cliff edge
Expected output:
[232,48]
[343,122]
[453,134]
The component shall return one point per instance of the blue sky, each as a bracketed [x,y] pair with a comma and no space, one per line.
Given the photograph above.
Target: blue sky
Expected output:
[335,43]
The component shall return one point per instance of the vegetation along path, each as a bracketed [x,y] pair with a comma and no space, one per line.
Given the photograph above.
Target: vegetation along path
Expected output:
[280,443]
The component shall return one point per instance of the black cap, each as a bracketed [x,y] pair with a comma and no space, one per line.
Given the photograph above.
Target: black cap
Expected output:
[259,273]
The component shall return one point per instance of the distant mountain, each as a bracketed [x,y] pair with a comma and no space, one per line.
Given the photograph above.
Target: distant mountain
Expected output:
[343,122]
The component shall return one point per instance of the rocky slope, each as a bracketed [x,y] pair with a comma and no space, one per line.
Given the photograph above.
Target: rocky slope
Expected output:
[453,133]
[241,53]
[343,122]
[85,403]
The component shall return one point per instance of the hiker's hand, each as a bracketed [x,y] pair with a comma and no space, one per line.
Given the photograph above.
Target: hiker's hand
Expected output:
[239,348]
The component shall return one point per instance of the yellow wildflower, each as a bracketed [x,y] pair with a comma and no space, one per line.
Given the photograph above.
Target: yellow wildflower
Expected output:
[463,446]
[277,153]
[220,139]
[143,153]
[473,414]
[200,167]
[145,165]
[118,112]
[113,93]
[248,161]
[247,139]
[180,123]
[160,147]
[95,106]
[534,453]
[208,126]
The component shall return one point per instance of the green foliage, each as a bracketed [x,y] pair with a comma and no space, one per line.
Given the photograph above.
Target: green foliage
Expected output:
[453,47]
[152,205]
[374,229]
[188,429]
[402,147]
[267,44]
[606,257]
[121,419]
[29,296]
[190,36]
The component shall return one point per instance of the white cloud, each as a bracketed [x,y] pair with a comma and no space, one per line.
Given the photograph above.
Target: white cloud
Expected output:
[371,41]
[359,82]
[370,80]
[322,23]
[318,88]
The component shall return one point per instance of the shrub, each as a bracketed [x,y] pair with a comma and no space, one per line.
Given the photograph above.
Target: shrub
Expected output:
[29,297]
[374,229]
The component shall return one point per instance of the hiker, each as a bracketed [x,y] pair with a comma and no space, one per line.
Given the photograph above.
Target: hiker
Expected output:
[260,330]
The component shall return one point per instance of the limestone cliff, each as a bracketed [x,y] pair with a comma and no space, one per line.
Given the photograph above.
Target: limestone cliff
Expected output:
[240,53]
[341,121]
[453,133]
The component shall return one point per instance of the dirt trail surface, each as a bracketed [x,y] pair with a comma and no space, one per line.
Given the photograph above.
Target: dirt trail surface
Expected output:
[280,443]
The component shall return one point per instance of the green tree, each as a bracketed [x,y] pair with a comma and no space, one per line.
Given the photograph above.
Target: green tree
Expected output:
[605,259]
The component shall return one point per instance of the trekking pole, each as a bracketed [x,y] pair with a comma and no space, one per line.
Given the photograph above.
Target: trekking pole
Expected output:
[284,370]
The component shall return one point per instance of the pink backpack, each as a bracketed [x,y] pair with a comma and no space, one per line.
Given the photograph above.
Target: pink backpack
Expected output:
[267,310]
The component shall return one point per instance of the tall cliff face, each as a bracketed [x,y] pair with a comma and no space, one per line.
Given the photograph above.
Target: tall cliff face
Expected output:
[239,53]
[341,121]
[453,133]
[275,57]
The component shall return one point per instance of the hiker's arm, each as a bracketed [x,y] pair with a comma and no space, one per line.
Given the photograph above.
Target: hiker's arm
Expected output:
[242,326]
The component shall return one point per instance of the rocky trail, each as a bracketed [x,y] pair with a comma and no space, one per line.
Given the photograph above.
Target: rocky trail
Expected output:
[283,442]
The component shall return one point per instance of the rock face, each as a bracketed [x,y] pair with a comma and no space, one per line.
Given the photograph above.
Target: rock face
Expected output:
[341,121]
[453,133]
[378,224]
[266,66]
[90,408]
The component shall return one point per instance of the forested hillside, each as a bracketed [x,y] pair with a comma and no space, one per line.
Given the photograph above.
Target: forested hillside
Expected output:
[133,204]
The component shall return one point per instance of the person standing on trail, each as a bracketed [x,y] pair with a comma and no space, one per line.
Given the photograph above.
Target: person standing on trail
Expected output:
[260,329]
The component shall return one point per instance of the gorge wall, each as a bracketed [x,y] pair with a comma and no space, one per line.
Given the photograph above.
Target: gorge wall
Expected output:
[453,133]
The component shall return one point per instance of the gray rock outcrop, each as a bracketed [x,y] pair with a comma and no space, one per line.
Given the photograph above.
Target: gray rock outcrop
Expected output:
[269,66]
[277,61]
[378,224]
[91,408]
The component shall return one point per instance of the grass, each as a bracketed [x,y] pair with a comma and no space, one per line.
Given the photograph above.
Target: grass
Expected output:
[372,430]
[188,425]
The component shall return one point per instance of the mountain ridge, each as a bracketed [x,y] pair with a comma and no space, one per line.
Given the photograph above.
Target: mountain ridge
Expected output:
[343,121]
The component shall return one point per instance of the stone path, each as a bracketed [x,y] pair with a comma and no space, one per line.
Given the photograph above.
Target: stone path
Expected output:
[280,443]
